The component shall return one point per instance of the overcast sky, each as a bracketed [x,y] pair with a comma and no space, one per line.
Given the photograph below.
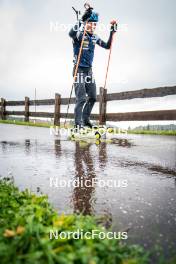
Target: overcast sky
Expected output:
[35,54]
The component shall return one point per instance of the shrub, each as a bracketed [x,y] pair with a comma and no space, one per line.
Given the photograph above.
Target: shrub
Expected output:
[25,222]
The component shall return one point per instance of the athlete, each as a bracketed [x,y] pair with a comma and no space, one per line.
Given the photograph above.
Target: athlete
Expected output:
[85,83]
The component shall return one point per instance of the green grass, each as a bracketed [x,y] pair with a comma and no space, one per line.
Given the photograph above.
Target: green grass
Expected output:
[25,222]
[153,132]
[30,123]
[48,125]
[23,123]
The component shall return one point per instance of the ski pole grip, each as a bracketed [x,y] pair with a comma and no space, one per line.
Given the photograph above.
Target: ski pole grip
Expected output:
[86,6]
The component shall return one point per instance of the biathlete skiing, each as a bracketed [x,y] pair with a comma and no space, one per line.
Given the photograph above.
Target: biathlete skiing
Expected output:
[84,41]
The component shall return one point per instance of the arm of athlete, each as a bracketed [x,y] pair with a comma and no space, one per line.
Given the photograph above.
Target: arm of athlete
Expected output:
[107,45]
[76,32]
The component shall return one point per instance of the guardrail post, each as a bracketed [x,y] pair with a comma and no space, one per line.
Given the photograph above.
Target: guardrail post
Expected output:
[57,109]
[102,106]
[3,109]
[26,110]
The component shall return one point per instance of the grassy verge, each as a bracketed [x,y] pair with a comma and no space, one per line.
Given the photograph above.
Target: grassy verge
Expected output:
[153,132]
[25,222]
[48,125]
[30,123]
[23,123]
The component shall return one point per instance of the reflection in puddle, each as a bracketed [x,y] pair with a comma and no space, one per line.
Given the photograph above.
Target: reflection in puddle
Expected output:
[84,170]
[123,142]
[9,143]
[163,170]
[156,168]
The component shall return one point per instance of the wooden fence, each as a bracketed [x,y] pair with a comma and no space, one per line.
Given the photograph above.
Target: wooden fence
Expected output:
[102,98]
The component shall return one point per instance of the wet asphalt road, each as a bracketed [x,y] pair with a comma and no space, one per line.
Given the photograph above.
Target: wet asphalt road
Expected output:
[147,164]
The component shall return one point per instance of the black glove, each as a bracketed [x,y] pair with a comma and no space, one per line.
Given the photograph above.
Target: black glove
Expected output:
[87,14]
[114,27]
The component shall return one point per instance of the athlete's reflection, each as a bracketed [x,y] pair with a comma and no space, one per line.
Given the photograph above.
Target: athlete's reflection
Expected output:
[84,175]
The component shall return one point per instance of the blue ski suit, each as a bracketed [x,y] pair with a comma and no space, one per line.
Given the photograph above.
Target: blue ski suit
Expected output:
[85,83]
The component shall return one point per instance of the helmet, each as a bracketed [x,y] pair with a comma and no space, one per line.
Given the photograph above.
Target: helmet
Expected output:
[93,17]
[90,15]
